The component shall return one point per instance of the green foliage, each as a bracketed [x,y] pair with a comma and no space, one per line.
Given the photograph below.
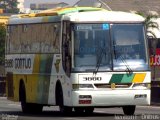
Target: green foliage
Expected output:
[9,6]
[149,23]
[2,44]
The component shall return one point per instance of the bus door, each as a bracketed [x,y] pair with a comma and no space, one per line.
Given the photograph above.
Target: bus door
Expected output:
[66,47]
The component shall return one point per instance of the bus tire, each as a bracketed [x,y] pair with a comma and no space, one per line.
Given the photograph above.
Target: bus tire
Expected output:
[35,108]
[129,110]
[89,110]
[28,107]
[79,110]
[60,102]
[22,95]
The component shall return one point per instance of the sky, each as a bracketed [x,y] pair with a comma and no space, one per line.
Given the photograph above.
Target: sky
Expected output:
[27,2]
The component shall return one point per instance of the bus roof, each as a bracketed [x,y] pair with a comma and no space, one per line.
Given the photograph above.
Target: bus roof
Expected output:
[109,16]
[76,14]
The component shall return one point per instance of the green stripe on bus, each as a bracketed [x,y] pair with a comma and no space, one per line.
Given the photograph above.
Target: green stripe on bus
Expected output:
[116,78]
[127,78]
[44,77]
[41,78]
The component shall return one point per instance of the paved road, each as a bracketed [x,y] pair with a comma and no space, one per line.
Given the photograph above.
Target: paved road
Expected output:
[12,110]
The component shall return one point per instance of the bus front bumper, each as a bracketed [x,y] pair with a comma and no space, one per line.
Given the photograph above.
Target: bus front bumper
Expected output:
[111,98]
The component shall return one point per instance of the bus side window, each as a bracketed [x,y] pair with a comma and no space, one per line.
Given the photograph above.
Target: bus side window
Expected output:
[66,48]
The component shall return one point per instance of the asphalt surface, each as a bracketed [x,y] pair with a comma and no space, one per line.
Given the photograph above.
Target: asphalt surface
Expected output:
[12,111]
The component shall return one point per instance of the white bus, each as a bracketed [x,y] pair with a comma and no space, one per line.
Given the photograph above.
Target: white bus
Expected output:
[79,59]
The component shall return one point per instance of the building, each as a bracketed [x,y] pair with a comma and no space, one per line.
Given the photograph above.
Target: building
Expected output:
[1,11]
[44,6]
[20,5]
[144,6]
[9,6]
[92,3]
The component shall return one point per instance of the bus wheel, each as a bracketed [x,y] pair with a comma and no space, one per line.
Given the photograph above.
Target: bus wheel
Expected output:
[60,102]
[28,107]
[31,108]
[65,109]
[129,110]
[24,107]
[89,110]
[79,110]
[22,94]
[35,108]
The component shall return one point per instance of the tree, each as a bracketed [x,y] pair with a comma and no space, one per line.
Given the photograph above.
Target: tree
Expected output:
[152,39]
[2,44]
[150,24]
[9,6]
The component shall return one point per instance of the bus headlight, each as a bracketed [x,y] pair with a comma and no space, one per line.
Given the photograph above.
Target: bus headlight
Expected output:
[143,96]
[81,86]
[141,85]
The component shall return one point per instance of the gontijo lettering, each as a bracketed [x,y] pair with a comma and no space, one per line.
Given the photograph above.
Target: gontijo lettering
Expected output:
[18,63]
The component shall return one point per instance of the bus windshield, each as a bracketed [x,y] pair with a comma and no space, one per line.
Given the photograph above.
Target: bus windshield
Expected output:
[129,47]
[92,45]
[115,47]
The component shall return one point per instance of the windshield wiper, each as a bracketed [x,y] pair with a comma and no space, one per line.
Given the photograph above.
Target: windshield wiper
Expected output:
[129,70]
[114,50]
[99,60]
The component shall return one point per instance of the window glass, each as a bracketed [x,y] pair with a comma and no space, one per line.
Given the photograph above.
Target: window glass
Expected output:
[92,46]
[34,38]
[129,47]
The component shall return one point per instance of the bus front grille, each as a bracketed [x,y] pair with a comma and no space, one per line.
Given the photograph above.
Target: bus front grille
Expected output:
[119,85]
